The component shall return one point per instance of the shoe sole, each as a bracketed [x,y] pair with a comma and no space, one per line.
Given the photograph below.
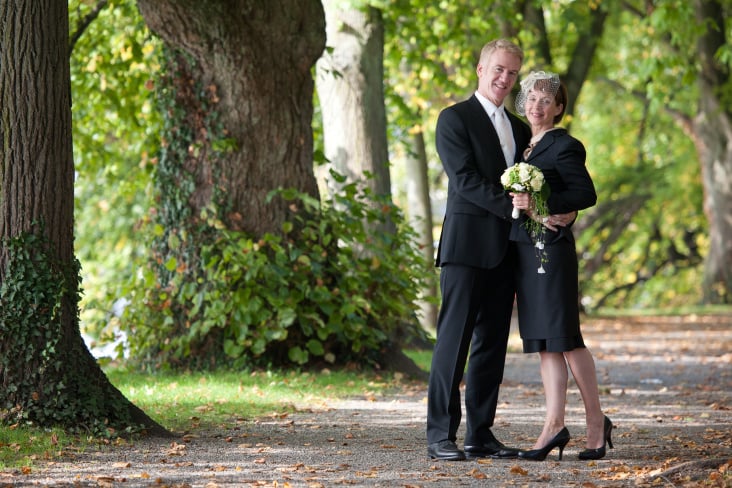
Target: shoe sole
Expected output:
[489,456]
[456,457]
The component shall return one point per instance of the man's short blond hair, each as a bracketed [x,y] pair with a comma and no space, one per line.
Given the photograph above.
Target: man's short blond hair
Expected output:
[503,44]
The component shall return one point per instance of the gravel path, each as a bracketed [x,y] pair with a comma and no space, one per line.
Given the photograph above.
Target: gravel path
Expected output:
[666,384]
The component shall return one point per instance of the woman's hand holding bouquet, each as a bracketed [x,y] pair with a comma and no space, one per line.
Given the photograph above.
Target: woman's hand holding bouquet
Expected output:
[526,178]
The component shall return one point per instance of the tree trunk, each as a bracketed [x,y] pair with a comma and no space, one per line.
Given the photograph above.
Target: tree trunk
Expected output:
[253,60]
[713,140]
[420,217]
[350,88]
[47,374]
[237,98]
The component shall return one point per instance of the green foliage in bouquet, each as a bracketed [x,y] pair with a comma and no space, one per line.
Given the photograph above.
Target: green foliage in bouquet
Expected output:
[527,178]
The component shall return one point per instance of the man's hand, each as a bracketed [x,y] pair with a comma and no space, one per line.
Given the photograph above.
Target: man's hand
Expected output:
[524,202]
[562,220]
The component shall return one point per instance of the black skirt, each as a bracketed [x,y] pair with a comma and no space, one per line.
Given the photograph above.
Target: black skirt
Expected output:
[548,307]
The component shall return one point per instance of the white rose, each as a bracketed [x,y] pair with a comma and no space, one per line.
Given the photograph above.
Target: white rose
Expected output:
[524,174]
[537,182]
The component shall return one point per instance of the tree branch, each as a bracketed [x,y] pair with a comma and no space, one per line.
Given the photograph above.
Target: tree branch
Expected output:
[615,215]
[84,23]
[534,16]
[584,53]
[683,120]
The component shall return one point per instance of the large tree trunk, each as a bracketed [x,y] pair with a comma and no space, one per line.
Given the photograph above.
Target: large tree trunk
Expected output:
[47,374]
[350,79]
[713,140]
[237,95]
[253,61]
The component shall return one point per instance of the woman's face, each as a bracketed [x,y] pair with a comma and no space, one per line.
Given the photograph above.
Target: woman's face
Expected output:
[541,108]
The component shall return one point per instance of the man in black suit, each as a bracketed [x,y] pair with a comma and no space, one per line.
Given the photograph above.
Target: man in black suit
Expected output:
[476,258]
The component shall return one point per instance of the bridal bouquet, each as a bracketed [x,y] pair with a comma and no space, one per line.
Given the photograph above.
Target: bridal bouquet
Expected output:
[527,178]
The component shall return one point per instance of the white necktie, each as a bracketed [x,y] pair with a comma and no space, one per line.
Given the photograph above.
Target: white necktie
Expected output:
[503,128]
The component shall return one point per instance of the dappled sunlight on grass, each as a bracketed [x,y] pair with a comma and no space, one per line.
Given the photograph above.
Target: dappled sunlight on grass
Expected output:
[182,402]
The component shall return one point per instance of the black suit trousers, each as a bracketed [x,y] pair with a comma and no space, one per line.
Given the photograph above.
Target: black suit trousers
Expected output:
[475,316]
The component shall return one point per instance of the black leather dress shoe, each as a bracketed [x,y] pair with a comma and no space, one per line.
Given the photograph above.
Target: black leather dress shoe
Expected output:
[445,451]
[493,449]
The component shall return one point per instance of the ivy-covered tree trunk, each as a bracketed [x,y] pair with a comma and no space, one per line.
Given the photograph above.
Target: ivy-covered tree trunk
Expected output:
[237,98]
[248,64]
[47,374]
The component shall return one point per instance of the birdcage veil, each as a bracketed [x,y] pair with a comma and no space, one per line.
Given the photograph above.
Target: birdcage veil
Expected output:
[542,81]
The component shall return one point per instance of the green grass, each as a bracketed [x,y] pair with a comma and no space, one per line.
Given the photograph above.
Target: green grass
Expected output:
[21,446]
[188,402]
[180,402]
[421,358]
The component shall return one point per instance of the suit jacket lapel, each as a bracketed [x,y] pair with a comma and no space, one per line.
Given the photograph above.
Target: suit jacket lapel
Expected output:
[545,143]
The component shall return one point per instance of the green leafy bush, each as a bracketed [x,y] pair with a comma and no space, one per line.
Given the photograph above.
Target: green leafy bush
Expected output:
[338,285]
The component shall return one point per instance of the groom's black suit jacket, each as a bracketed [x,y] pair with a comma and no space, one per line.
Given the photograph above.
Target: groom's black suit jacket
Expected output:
[478,215]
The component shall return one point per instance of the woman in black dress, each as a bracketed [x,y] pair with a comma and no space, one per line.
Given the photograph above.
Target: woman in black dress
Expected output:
[547,278]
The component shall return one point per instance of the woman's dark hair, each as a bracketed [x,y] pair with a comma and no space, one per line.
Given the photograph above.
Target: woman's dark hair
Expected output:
[561,99]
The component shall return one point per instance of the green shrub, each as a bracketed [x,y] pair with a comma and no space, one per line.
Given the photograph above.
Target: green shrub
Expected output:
[339,285]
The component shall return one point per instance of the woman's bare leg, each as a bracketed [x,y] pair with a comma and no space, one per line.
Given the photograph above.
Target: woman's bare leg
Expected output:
[583,369]
[554,376]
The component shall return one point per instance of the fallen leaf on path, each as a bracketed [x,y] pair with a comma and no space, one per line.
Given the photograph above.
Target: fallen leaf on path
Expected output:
[176,449]
[516,469]
[105,481]
[477,474]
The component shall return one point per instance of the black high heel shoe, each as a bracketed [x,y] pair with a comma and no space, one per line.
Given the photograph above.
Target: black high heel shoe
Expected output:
[599,453]
[560,440]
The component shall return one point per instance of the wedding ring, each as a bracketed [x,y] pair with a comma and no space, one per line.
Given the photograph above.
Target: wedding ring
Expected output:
[545,220]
